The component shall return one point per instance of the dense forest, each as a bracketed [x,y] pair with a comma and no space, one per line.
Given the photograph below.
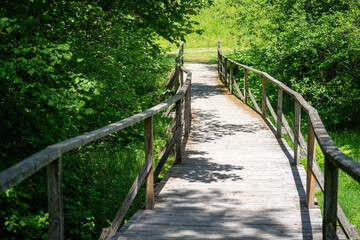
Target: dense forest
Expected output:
[312,46]
[69,67]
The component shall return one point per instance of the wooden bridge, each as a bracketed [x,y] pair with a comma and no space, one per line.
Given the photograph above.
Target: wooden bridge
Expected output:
[234,177]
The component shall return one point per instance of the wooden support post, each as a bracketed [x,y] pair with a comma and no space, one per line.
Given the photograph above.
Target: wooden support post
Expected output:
[225,68]
[311,158]
[279,113]
[149,157]
[231,77]
[263,107]
[182,55]
[218,64]
[297,124]
[330,200]
[55,201]
[246,90]
[187,113]
[179,130]
[181,72]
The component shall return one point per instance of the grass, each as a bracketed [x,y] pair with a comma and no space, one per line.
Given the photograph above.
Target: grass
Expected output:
[217,25]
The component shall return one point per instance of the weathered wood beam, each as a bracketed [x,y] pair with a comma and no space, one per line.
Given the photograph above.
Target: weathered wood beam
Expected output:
[55,200]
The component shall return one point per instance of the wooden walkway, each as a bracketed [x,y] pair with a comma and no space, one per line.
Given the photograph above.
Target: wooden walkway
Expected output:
[236,180]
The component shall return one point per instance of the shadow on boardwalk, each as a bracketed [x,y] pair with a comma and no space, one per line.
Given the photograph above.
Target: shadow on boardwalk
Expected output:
[237,180]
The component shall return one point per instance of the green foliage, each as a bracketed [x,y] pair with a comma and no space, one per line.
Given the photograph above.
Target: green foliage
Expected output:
[69,67]
[313,47]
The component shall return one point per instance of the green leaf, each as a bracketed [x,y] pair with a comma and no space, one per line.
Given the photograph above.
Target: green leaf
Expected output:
[9,29]
[64,47]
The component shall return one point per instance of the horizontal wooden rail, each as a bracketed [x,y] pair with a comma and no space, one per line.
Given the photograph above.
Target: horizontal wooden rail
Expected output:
[51,155]
[334,158]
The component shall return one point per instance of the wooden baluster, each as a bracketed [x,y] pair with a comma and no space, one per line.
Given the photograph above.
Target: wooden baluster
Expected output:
[311,157]
[181,72]
[149,152]
[55,201]
[182,54]
[297,124]
[330,200]
[218,64]
[263,107]
[246,90]
[187,112]
[279,113]
[231,76]
[179,132]
[225,68]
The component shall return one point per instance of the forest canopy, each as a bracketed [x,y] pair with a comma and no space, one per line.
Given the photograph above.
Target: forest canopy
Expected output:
[71,66]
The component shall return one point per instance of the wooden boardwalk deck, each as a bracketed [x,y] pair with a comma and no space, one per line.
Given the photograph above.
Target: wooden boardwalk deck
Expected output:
[236,180]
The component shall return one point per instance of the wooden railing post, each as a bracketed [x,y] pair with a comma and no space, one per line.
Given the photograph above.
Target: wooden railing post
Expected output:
[311,157]
[297,124]
[246,90]
[55,200]
[231,77]
[187,112]
[330,200]
[218,64]
[182,54]
[181,72]
[225,69]
[178,132]
[263,107]
[149,157]
[279,112]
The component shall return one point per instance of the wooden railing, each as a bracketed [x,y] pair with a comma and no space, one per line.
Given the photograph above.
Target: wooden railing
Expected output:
[334,158]
[51,155]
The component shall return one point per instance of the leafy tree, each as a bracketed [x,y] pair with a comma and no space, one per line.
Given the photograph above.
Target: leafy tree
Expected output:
[68,67]
[313,47]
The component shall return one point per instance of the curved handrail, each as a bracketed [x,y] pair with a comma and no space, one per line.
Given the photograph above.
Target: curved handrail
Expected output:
[22,170]
[334,158]
[51,156]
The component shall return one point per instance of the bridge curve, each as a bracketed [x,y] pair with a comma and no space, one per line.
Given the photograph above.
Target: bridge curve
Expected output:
[236,180]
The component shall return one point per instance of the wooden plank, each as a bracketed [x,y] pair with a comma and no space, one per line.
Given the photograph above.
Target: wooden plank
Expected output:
[55,201]
[330,200]
[297,124]
[311,158]
[149,136]
[168,148]
[254,102]
[271,109]
[263,100]
[238,91]
[235,177]
[110,231]
[279,114]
